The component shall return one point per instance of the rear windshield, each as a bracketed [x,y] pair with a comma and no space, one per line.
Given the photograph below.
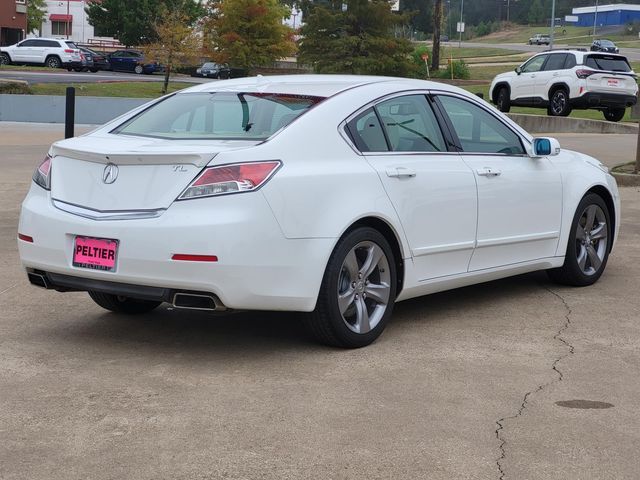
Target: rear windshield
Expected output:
[218,115]
[608,63]
[71,45]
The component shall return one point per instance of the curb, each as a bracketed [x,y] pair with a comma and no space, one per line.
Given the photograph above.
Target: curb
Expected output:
[546,124]
[12,80]
[625,179]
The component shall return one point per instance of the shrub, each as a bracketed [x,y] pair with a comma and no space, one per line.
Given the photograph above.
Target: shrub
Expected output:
[15,88]
[460,70]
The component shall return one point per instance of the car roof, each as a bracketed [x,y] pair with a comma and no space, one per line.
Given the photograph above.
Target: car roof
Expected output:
[313,85]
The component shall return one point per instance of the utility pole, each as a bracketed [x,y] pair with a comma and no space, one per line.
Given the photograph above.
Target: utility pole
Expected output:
[67,32]
[508,6]
[553,24]
[461,17]
[595,19]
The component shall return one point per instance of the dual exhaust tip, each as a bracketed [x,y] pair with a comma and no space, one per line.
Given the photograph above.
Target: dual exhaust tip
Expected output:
[183,300]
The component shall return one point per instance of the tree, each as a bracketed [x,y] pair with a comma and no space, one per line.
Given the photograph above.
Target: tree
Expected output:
[357,39]
[133,21]
[178,44]
[437,24]
[36,13]
[536,13]
[248,33]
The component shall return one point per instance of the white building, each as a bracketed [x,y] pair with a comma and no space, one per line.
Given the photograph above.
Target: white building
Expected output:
[68,19]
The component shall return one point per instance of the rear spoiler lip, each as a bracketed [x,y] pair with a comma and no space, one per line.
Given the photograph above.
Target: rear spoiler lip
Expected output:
[134,158]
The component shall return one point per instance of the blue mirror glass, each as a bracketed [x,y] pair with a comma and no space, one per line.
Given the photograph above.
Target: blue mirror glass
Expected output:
[542,146]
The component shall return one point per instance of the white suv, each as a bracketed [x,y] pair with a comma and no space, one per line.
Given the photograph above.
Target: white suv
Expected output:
[51,52]
[561,80]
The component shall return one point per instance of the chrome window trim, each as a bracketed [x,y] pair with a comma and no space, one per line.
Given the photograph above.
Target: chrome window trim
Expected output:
[102,215]
[342,127]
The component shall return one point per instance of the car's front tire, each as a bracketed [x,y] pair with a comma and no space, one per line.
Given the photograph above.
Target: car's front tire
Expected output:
[139,69]
[559,105]
[5,59]
[589,244]
[358,291]
[614,114]
[120,304]
[502,100]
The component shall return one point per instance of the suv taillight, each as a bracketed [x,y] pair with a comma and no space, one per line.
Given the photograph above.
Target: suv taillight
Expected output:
[42,175]
[234,178]
[584,73]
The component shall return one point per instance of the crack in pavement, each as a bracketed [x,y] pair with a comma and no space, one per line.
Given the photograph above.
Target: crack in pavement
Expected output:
[554,366]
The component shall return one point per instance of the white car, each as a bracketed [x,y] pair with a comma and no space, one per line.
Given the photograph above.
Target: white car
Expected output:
[50,52]
[561,80]
[335,195]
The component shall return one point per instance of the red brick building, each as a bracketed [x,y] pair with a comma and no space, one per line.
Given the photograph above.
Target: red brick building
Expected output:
[13,21]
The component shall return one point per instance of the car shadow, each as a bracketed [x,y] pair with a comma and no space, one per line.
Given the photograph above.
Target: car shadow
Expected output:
[173,331]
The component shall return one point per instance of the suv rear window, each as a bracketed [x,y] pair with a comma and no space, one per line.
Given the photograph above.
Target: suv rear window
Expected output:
[607,62]
[218,116]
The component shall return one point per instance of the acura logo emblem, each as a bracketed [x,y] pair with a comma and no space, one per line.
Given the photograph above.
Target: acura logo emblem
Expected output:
[110,173]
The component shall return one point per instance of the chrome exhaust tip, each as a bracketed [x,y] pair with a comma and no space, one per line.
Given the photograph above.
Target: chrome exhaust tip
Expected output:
[38,280]
[198,301]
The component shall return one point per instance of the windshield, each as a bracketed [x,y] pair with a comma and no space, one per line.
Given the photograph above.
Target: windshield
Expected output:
[608,63]
[218,116]
[606,43]
[209,65]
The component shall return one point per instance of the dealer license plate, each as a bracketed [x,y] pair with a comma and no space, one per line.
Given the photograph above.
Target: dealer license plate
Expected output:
[95,253]
[613,82]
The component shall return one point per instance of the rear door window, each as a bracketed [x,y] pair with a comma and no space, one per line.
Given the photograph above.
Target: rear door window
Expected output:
[608,63]
[411,125]
[556,61]
[366,132]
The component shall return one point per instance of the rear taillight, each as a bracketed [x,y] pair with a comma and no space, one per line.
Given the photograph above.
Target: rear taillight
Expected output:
[584,73]
[235,178]
[42,175]
[68,50]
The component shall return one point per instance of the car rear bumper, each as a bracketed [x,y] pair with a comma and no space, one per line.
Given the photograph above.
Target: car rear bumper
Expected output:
[604,100]
[257,267]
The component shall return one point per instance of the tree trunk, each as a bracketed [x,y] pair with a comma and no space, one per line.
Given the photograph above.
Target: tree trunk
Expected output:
[167,73]
[437,24]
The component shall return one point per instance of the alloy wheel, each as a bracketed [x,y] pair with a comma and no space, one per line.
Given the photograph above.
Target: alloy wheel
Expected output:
[559,102]
[591,239]
[364,287]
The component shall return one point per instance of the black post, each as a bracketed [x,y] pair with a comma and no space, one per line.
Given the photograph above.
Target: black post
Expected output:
[70,113]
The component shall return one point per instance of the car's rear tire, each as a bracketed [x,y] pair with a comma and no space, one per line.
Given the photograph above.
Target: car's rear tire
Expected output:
[93,70]
[53,62]
[139,69]
[358,291]
[119,304]
[502,100]
[559,105]
[5,59]
[614,114]
[588,246]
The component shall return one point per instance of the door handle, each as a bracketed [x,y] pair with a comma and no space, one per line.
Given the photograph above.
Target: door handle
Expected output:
[488,172]
[400,172]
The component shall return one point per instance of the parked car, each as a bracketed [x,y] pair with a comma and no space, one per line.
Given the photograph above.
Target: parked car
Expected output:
[444,38]
[333,195]
[562,80]
[95,61]
[132,61]
[50,52]
[540,39]
[213,70]
[604,45]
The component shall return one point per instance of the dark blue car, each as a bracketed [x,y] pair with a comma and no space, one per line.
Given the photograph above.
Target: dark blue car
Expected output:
[132,61]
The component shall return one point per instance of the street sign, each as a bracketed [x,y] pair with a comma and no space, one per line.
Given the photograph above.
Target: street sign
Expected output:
[571,18]
[460,27]
[395,6]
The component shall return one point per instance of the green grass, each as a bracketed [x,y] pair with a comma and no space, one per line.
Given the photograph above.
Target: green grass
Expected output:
[475,52]
[26,68]
[110,89]
[489,72]
[523,33]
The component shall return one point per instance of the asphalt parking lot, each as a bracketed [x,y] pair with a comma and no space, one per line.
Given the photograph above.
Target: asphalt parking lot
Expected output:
[462,385]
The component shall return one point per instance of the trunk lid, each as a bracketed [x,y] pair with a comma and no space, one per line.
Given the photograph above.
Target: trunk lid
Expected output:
[117,173]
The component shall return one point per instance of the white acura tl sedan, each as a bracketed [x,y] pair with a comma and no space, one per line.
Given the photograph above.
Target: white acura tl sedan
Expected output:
[333,195]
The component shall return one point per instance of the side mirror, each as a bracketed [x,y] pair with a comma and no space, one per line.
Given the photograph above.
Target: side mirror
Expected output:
[518,70]
[545,147]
